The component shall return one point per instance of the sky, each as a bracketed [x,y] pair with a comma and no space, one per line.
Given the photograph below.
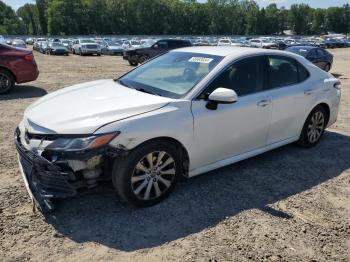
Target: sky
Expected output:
[313,3]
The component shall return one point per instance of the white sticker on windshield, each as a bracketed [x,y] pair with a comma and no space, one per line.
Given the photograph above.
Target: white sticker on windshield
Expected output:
[203,60]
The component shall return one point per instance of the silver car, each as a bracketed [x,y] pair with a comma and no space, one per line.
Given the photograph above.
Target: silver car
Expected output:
[86,47]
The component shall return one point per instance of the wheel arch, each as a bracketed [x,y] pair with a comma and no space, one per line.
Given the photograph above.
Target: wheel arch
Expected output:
[184,155]
[326,108]
[8,70]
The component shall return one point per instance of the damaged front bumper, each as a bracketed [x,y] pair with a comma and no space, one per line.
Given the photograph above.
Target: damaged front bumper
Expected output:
[43,180]
[46,180]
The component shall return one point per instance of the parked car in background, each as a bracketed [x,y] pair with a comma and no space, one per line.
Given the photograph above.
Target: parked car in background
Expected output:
[37,43]
[29,41]
[65,42]
[55,48]
[86,47]
[263,43]
[182,114]
[16,66]
[137,56]
[42,46]
[19,43]
[112,47]
[224,42]
[320,57]
[147,42]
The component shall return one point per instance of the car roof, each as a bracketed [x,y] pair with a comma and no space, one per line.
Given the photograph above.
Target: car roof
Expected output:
[232,51]
[306,47]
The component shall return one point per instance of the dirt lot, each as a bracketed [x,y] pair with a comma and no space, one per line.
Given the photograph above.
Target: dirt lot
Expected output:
[290,204]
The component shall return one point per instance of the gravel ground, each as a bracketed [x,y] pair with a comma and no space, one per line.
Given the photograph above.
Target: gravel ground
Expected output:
[290,204]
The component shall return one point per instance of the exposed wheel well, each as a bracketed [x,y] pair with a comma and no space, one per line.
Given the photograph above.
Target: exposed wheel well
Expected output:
[182,150]
[4,68]
[325,107]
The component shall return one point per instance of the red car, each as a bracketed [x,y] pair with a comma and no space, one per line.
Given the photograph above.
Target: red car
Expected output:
[17,65]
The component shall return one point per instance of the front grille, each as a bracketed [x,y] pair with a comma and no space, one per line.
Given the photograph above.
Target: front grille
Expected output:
[92,46]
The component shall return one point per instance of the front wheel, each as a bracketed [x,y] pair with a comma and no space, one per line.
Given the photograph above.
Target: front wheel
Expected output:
[148,174]
[133,61]
[313,128]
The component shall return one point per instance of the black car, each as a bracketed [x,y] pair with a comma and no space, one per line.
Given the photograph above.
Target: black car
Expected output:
[320,57]
[56,48]
[140,55]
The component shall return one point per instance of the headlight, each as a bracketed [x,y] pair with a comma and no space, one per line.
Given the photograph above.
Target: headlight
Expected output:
[81,143]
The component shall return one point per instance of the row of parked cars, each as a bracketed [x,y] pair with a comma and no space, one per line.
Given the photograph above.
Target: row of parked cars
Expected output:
[137,51]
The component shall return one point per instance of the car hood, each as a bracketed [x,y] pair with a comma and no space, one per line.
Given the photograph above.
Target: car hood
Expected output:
[83,108]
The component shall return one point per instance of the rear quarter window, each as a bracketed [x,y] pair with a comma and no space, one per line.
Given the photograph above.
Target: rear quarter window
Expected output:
[302,72]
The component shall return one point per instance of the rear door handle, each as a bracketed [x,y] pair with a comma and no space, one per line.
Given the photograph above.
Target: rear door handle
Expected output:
[264,103]
[308,92]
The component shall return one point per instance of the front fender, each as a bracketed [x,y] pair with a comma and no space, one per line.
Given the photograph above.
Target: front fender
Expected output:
[173,121]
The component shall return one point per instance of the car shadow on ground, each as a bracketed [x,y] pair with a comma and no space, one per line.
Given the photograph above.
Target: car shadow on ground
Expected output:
[23,91]
[99,215]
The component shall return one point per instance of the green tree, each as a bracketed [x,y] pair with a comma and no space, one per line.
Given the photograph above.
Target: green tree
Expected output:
[300,17]
[10,24]
[42,8]
[29,15]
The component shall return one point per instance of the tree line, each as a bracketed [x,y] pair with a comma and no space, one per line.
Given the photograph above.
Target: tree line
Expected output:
[169,17]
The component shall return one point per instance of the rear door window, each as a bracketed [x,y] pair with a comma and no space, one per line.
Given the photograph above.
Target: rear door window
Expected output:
[283,71]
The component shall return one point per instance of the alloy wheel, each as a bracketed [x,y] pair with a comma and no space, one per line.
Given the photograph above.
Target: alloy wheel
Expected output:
[316,127]
[153,175]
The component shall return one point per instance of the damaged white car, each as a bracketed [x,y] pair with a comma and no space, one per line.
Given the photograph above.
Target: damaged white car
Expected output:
[181,114]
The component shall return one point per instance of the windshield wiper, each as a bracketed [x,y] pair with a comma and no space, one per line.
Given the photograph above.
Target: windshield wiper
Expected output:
[147,91]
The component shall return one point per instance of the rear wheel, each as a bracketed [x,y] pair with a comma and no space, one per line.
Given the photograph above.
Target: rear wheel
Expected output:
[7,81]
[314,127]
[148,174]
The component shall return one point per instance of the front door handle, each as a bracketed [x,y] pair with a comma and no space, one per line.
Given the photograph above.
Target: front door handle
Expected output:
[264,103]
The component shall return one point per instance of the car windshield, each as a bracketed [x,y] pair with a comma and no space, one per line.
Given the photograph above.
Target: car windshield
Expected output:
[299,51]
[173,74]
[87,41]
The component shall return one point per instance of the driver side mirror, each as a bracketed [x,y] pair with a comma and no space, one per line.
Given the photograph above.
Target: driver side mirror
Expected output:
[221,96]
[155,46]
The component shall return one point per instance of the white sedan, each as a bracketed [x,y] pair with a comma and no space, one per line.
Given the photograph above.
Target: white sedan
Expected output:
[181,114]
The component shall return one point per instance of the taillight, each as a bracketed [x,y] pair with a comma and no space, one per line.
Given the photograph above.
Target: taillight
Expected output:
[337,85]
[29,57]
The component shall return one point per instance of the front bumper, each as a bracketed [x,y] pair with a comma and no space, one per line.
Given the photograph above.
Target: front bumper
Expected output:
[90,51]
[43,180]
[59,52]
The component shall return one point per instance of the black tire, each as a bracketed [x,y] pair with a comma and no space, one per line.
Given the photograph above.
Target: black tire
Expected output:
[80,53]
[7,81]
[124,169]
[305,140]
[327,67]
[133,61]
